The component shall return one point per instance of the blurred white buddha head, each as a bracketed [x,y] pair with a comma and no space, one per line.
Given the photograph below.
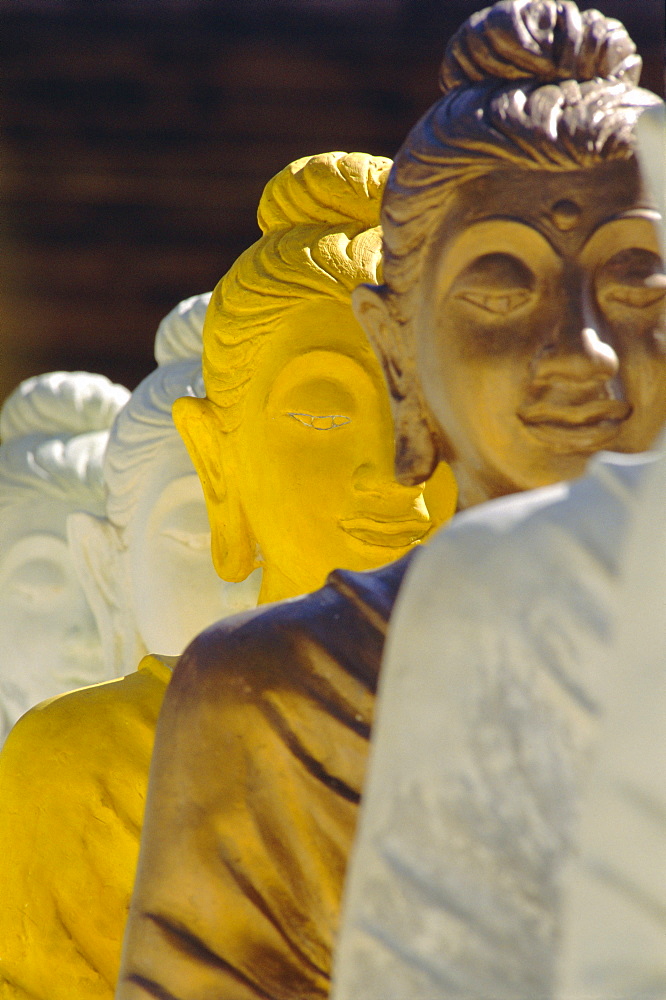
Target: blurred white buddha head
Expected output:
[54,430]
[146,565]
[651,151]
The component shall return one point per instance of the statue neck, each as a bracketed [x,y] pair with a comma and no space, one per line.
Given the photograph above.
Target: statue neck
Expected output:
[277,586]
[471,490]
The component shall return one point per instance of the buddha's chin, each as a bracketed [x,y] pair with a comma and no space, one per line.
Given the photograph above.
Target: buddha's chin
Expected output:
[527,468]
[562,438]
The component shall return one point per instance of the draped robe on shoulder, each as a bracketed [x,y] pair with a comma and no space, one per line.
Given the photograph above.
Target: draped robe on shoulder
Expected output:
[73,778]
[255,784]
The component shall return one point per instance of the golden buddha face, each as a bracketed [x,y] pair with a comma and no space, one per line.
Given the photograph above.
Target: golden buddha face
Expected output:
[540,334]
[313,457]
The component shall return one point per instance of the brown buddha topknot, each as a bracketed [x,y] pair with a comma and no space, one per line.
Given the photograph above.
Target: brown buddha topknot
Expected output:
[543,39]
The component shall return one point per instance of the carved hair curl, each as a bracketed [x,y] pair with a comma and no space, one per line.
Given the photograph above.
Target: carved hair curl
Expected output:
[140,430]
[146,423]
[178,336]
[54,430]
[319,217]
[61,402]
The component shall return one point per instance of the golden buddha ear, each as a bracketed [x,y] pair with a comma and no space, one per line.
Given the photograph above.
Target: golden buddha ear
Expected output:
[417,438]
[211,449]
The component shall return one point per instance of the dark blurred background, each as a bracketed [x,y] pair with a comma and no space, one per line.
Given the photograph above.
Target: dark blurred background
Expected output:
[136,138]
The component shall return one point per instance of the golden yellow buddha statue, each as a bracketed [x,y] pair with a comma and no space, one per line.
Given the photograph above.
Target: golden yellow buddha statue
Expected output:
[294,447]
[294,440]
[521,330]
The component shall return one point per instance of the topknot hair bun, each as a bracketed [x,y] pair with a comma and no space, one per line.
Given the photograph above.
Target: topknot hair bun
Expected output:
[61,402]
[330,189]
[179,335]
[545,39]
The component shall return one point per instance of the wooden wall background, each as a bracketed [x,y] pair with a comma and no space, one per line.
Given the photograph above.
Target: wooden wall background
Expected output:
[135,139]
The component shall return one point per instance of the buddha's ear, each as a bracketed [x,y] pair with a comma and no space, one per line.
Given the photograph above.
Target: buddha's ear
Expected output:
[211,450]
[417,438]
[97,553]
[370,305]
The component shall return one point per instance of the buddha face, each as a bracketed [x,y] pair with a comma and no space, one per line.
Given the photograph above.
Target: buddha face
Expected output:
[313,456]
[174,590]
[540,337]
[48,639]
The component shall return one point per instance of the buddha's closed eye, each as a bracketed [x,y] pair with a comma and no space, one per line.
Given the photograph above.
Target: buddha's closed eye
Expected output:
[633,277]
[196,540]
[641,298]
[321,422]
[497,283]
[638,291]
[500,303]
[37,593]
[38,581]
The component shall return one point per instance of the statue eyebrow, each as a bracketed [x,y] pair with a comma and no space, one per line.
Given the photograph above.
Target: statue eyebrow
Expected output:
[308,420]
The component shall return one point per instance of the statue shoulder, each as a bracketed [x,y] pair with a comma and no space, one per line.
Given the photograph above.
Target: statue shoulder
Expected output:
[81,731]
[73,777]
[344,623]
[259,762]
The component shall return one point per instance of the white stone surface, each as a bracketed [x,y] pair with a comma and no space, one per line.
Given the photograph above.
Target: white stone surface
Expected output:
[614,933]
[54,430]
[651,132]
[488,718]
[104,536]
[146,567]
[150,578]
[178,336]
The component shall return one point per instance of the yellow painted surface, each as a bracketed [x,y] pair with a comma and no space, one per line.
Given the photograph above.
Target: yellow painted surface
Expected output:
[314,454]
[73,778]
[294,442]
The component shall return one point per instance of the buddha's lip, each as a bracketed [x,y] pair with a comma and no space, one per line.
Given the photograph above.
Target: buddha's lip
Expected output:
[579,429]
[576,414]
[390,533]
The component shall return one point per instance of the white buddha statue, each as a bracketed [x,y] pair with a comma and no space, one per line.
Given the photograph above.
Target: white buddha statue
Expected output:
[154,542]
[54,430]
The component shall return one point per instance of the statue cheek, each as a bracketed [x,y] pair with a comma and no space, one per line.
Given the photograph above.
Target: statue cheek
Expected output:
[638,339]
[654,336]
[489,339]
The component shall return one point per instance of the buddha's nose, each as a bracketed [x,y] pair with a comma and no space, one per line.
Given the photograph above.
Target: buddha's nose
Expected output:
[378,481]
[577,347]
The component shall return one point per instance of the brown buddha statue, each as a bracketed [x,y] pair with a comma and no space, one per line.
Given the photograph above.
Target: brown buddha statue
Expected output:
[521,329]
